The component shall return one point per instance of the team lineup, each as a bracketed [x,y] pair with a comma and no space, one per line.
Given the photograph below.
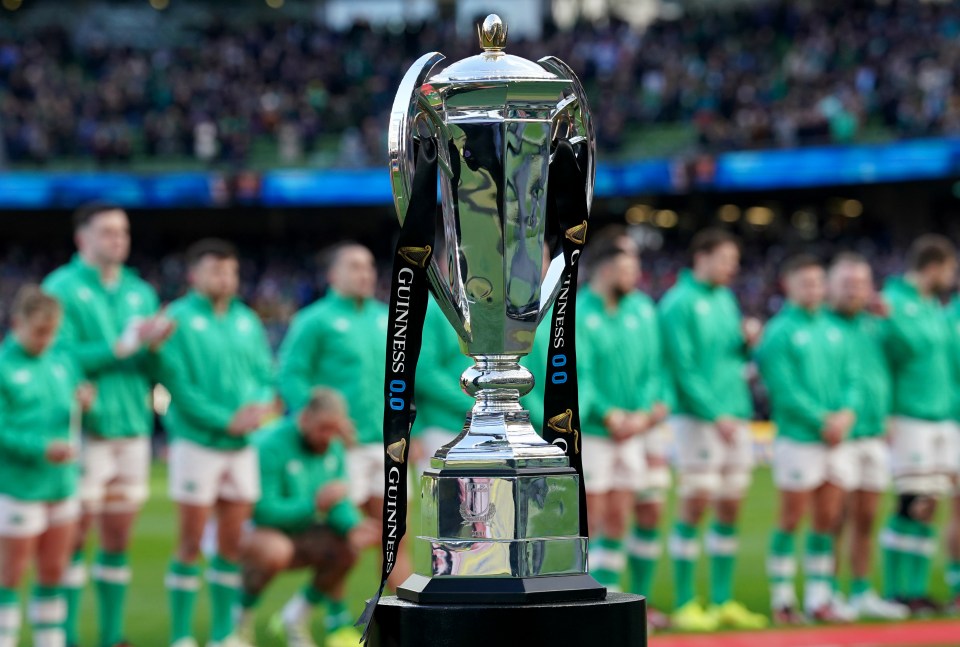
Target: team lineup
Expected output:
[277,464]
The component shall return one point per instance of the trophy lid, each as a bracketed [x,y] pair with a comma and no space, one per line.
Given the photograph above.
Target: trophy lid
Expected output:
[493,64]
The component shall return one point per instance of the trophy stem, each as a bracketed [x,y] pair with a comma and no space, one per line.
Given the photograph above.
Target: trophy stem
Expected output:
[496,382]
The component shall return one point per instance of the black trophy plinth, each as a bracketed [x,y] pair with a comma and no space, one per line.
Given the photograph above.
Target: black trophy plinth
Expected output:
[618,621]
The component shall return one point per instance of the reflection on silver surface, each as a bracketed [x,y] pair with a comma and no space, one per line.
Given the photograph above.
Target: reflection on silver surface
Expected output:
[495,118]
[516,558]
[516,507]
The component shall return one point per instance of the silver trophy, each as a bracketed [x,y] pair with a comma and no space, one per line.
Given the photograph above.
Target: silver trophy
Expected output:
[500,506]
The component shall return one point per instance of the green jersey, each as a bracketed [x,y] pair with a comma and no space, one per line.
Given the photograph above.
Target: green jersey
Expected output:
[808,370]
[863,336]
[440,401]
[94,317]
[213,365]
[918,345]
[705,351]
[37,400]
[536,363]
[339,343]
[291,474]
[619,357]
[953,319]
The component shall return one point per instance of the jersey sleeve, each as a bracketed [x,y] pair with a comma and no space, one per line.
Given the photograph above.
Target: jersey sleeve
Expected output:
[24,446]
[676,327]
[297,354]
[276,509]
[189,397]
[787,393]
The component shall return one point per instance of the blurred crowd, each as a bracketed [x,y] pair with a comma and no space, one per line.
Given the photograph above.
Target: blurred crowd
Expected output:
[774,74]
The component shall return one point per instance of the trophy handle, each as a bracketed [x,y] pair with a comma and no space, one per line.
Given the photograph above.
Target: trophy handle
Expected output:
[413,116]
[571,121]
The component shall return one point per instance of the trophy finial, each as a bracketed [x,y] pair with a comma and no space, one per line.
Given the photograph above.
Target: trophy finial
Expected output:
[493,34]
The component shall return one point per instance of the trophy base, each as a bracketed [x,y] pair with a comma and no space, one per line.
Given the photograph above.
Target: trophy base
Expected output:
[618,621]
[500,590]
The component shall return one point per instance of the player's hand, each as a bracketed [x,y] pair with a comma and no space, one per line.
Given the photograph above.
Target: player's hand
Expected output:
[637,423]
[247,419]
[836,426]
[129,341]
[752,330]
[417,452]
[658,414]
[59,452]
[330,495]
[878,306]
[364,534]
[616,423]
[85,394]
[348,433]
[727,428]
[156,330]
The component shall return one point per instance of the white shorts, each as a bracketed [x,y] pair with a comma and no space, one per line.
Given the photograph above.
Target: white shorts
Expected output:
[365,469]
[869,464]
[656,474]
[201,475]
[432,439]
[115,473]
[801,467]
[609,466]
[923,447]
[19,518]
[709,465]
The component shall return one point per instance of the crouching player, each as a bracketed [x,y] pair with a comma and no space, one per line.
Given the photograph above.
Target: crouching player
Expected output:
[808,369]
[40,397]
[305,519]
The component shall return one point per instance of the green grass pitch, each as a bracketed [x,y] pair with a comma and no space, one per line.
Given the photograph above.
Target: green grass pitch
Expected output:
[147,605]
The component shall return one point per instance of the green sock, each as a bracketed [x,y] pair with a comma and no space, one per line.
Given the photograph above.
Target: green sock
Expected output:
[684,551]
[892,540]
[223,579]
[953,577]
[607,560]
[781,570]
[9,616]
[183,581]
[644,552]
[112,577]
[338,615]
[249,600]
[72,584]
[859,586]
[48,613]
[919,560]
[818,570]
[721,543]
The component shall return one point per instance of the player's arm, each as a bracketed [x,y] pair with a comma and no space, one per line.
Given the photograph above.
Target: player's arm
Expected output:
[432,379]
[29,448]
[851,370]
[264,368]
[787,391]
[190,397]
[297,354]
[275,508]
[591,402]
[343,515]
[676,327]
[92,355]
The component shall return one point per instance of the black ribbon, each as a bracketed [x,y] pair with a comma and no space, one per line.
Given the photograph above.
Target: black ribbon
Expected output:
[408,308]
[568,211]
